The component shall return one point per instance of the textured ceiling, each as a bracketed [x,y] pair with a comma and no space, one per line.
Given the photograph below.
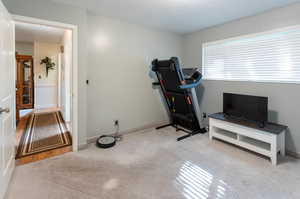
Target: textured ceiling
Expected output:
[180,16]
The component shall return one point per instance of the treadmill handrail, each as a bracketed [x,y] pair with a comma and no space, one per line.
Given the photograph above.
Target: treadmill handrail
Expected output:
[196,83]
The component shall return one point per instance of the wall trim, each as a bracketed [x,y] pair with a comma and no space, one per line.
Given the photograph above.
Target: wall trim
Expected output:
[44,85]
[293,154]
[82,146]
[10,174]
[42,101]
[93,139]
[45,106]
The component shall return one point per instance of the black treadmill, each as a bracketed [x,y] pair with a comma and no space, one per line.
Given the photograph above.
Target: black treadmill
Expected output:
[178,88]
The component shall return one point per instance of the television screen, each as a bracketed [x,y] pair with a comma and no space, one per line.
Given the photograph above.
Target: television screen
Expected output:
[246,107]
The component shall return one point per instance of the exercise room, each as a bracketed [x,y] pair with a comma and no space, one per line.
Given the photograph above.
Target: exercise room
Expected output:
[173,99]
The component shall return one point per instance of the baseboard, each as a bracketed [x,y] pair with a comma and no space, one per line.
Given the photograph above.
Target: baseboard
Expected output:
[44,85]
[293,154]
[93,139]
[45,106]
[82,147]
[25,112]
[10,174]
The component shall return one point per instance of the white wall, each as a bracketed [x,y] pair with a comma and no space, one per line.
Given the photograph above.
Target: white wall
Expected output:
[118,74]
[24,48]
[119,56]
[284,99]
[42,50]
[66,70]
[49,10]
[46,87]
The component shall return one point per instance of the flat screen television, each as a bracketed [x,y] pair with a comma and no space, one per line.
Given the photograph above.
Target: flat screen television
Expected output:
[246,107]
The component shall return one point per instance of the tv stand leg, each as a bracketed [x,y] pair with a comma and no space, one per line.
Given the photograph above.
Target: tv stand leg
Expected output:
[282,143]
[211,132]
[274,160]
[274,150]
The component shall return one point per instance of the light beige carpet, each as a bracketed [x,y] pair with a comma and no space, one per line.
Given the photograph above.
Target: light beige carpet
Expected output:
[151,164]
[44,132]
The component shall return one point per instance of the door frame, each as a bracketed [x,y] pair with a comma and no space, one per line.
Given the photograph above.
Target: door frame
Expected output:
[74,69]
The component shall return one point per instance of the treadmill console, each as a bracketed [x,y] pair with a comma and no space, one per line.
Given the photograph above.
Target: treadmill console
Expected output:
[189,71]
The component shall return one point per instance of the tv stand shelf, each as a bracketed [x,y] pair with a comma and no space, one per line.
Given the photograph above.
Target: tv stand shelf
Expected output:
[267,141]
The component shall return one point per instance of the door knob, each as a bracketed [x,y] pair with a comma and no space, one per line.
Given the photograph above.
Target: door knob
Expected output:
[4,110]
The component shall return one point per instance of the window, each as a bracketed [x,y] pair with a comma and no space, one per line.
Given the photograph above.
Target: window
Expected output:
[266,57]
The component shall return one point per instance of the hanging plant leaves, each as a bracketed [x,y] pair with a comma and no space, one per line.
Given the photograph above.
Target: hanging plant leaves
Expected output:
[49,64]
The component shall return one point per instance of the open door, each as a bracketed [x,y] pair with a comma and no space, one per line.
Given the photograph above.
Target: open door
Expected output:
[7,96]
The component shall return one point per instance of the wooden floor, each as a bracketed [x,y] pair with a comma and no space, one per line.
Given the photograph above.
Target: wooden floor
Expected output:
[21,127]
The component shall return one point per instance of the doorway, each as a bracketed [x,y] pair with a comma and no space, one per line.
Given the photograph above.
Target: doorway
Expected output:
[45,68]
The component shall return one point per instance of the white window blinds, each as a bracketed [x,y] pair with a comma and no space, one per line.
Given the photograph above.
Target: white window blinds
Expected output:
[266,57]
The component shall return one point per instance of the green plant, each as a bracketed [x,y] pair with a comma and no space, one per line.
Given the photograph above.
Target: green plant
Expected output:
[49,64]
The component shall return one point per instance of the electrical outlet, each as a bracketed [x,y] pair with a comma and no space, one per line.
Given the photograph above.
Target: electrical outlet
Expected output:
[116,122]
[204,115]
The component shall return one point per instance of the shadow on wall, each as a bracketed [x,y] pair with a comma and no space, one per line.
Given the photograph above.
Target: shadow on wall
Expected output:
[200,90]
[200,93]
[273,117]
[153,76]
[289,139]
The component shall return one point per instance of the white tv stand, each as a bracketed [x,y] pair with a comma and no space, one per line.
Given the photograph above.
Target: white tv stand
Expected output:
[267,141]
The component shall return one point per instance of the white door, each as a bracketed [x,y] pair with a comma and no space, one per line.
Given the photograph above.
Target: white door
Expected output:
[7,96]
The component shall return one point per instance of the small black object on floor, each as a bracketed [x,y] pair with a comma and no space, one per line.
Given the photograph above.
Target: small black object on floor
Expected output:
[106,141]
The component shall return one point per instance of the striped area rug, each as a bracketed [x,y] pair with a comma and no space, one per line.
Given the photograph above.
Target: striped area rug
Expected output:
[44,132]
